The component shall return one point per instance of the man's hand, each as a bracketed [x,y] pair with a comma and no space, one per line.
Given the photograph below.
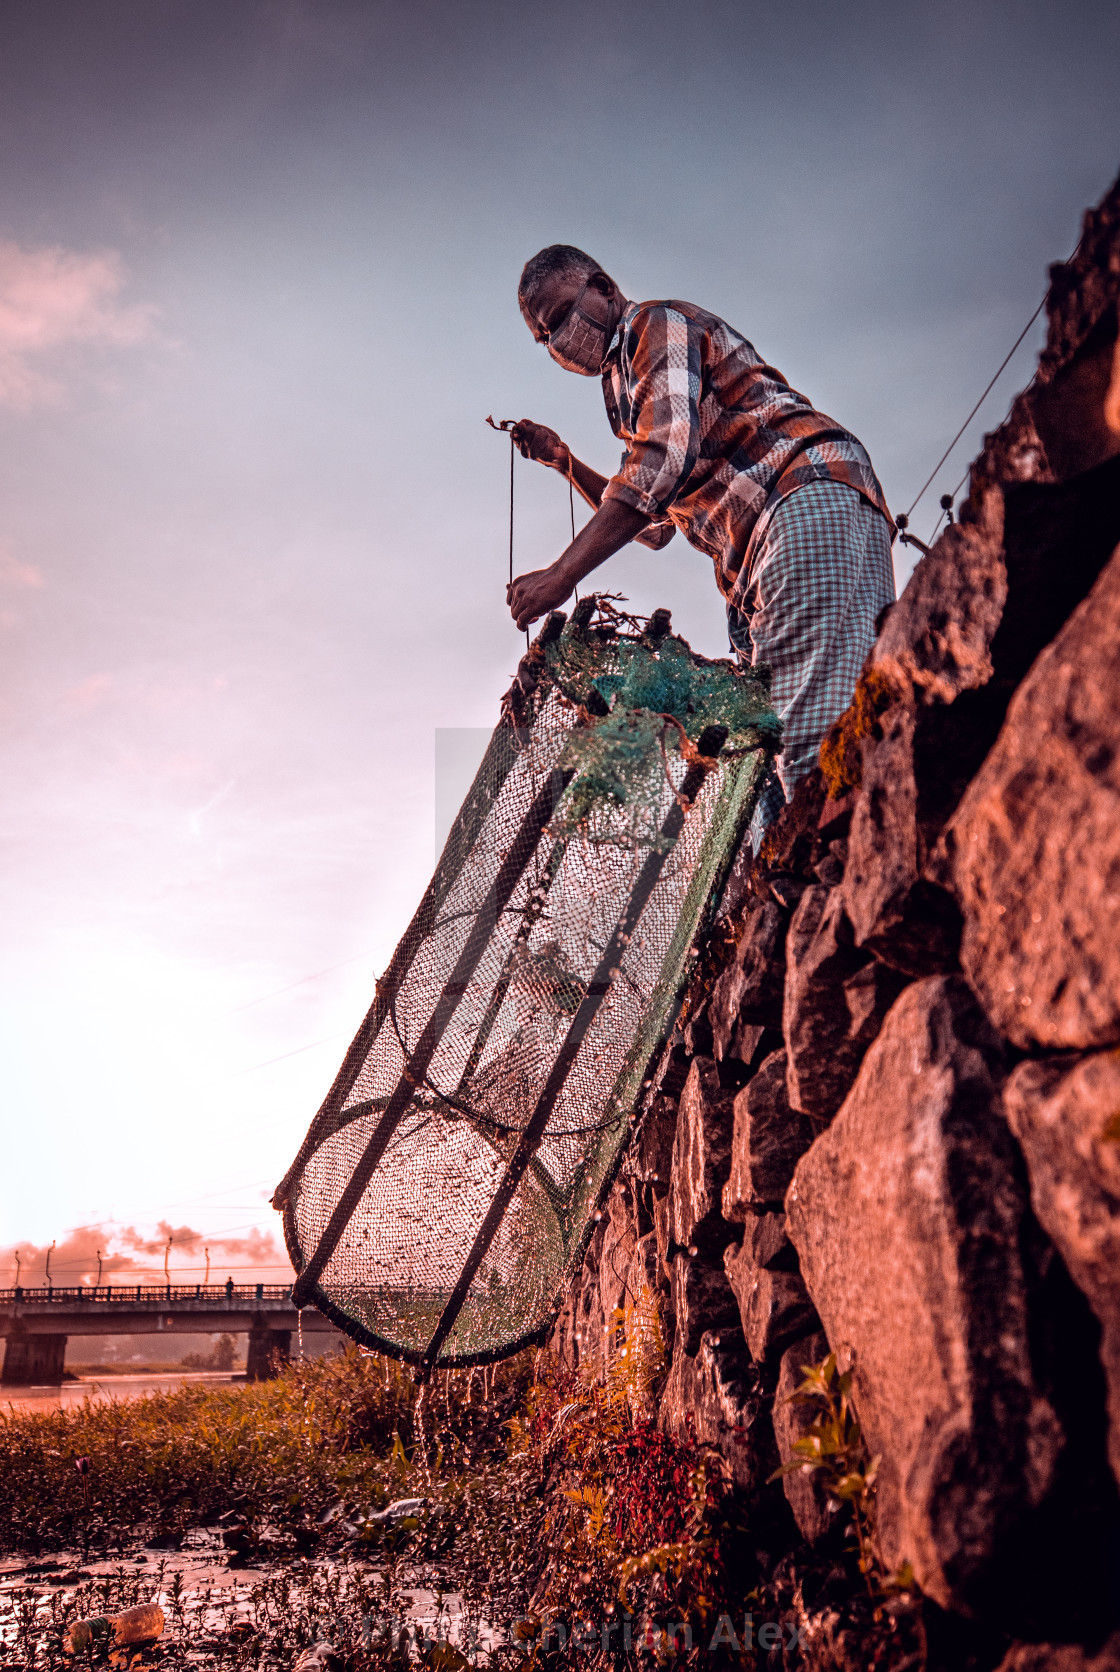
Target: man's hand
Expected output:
[537,441]
[533,595]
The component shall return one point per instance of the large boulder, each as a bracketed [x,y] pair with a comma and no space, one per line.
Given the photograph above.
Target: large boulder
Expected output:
[1033,850]
[701,1159]
[907,1214]
[768,1140]
[943,681]
[835,1001]
[1066,1116]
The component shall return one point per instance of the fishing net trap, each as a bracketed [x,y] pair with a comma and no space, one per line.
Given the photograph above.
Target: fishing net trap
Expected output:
[449,1184]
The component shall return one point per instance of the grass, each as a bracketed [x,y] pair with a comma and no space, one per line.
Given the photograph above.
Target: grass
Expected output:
[100,1475]
[542,1497]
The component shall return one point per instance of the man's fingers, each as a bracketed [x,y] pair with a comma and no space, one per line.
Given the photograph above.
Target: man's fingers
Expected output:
[536,441]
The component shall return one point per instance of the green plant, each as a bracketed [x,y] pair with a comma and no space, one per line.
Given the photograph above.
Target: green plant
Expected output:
[833,1447]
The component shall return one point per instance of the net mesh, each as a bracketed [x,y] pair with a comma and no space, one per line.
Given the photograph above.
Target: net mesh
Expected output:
[450,1181]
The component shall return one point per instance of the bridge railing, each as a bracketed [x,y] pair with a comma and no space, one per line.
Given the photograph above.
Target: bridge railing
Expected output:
[155,1294]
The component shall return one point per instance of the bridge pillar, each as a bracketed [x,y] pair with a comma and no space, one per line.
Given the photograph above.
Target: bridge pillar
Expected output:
[34,1361]
[269,1349]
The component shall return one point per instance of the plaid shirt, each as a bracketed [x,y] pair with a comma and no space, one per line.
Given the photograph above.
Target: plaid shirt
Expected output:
[715,438]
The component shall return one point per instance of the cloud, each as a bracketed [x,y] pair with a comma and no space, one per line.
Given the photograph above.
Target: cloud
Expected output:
[128,1251]
[21,577]
[90,693]
[52,299]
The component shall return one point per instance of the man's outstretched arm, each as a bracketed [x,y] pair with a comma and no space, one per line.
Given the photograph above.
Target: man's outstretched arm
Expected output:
[612,527]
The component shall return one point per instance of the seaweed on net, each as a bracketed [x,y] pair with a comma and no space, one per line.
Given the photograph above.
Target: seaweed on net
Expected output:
[622,760]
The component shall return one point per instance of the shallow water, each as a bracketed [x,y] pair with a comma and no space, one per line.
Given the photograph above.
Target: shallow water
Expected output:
[217,1615]
[99,1388]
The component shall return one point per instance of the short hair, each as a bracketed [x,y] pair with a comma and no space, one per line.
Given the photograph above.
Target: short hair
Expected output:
[555,261]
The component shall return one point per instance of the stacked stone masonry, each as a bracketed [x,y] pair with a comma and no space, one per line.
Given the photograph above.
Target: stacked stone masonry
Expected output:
[887,1124]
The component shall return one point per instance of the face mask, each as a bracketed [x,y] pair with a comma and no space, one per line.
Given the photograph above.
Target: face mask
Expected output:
[580,343]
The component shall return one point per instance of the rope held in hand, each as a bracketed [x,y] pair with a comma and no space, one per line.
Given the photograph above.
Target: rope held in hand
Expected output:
[506,426]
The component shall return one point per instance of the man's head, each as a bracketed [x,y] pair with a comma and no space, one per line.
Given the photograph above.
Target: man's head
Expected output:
[571,306]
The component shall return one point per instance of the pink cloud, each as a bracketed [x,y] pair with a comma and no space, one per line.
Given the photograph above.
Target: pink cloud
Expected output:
[21,576]
[50,299]
[126,1251]
[90,693]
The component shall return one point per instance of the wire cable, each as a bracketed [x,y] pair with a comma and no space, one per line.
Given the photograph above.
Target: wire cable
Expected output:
[903,521]
[991,385]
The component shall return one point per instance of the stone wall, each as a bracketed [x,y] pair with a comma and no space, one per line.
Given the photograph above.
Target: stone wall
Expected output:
[888,1120]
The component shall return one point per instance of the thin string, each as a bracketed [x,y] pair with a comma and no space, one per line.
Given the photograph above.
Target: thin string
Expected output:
[572,509]
[512,456]
[979,404]
[998,374]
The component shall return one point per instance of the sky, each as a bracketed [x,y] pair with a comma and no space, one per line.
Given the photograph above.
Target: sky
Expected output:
[258,267]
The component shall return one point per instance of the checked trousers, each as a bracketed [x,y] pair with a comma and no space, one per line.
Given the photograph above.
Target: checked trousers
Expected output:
[806,604]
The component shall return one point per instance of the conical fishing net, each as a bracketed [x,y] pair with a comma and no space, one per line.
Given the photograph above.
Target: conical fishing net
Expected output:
[449,1183]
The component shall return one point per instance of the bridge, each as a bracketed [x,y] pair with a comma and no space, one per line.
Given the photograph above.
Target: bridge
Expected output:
[36,1323]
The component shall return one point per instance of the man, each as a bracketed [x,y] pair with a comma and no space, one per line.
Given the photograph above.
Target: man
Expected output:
[783,500]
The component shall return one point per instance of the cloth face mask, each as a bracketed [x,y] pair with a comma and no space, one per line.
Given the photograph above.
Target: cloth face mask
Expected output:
[579,344]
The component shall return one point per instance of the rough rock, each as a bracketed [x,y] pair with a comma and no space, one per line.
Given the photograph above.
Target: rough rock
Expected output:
[827,1027]
[937,637]
[644,1266]
[1059,537]
[702,1299]
[768,1140]
[719,1397]
[653,1148]
[701,1159]
[563,1340]
[1070,409]
[813,1510]
[920,756]
[663,1229]
[619,1243]
[580,1325]
[774,1306]
[894,912]
[1066,1116]
[749,992]
[1033,851]
[767,1242]
[1062,1657]
[907,1215]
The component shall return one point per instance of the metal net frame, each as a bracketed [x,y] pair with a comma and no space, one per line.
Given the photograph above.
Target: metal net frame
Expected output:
[448,1186]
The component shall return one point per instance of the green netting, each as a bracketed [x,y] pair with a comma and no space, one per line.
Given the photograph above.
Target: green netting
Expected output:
[449,1183]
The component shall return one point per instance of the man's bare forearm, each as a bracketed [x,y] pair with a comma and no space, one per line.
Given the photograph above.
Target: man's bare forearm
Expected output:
[612,527]
[587,482]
